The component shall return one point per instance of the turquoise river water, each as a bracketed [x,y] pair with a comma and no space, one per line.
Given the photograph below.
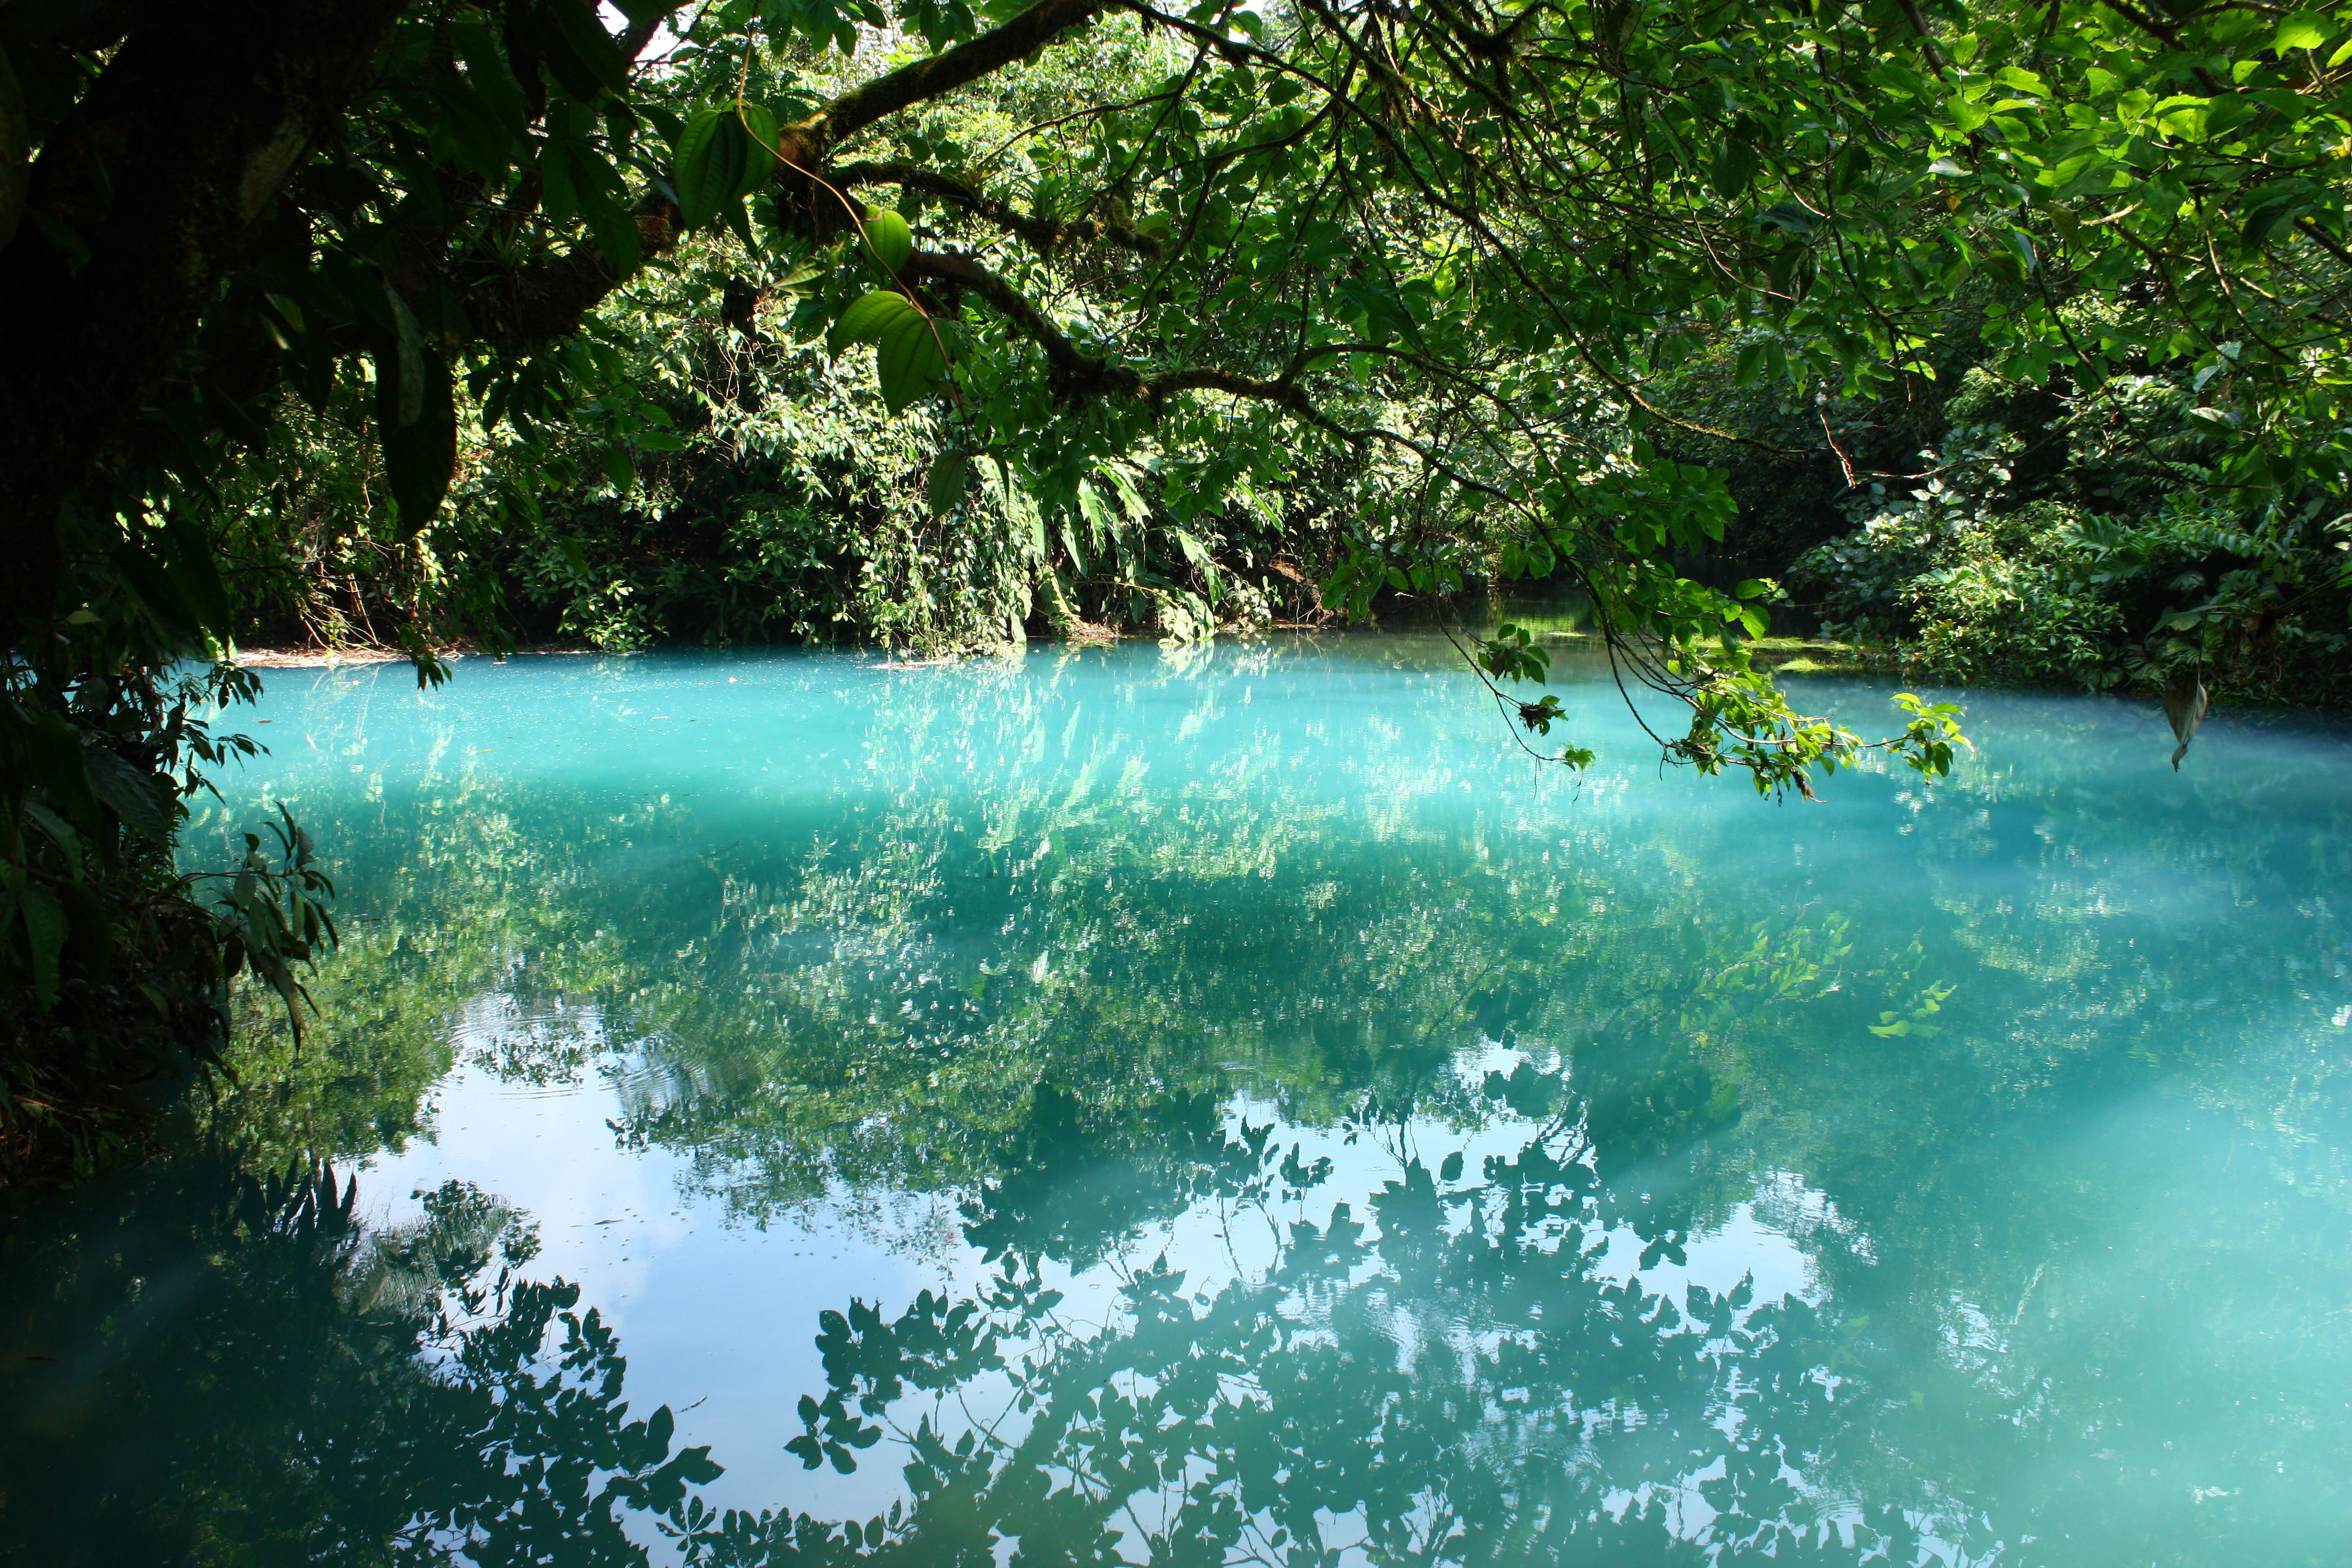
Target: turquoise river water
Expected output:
[1226,1105]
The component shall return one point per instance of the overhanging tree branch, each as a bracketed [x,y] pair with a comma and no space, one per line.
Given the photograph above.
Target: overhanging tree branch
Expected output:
[1079,375]
[1042,233]
[969,61]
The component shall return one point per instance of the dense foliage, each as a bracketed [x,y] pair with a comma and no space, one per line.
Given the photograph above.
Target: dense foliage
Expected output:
[1173,311]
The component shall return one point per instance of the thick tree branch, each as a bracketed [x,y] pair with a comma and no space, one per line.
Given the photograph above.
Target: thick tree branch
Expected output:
[925,80]
[547,299]
[1077,375]
[1041,233]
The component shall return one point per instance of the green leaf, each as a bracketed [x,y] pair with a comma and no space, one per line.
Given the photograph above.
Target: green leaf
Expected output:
[138,798]
[2307,31]
[670,126]
[420,455]
[868,317]
[45,931]
[2266,222]
[188,562]
[483,138]
[408,361]
[60,833]
[950,478]
[155,591]
[488,74]
[709,166]
[615,229]
[559,194]
[1734,169]
[889,239]
[581,32]
[739,222]
[908,362]
[759,128]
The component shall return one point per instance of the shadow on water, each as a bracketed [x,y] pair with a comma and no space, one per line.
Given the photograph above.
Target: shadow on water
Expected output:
[2035,1078]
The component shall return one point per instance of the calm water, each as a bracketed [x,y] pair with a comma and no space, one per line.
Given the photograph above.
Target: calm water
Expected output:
[1227,1106]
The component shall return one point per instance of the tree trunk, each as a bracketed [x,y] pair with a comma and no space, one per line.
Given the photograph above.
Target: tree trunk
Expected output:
[136,209]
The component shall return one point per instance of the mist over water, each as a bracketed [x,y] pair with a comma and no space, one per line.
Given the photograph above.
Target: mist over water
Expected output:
[1227,1104]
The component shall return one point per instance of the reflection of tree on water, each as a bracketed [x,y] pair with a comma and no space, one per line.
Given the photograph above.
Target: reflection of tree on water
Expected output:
[211,1368]
[278,1384]
[1032,995]
[1449,1378]
[1447,1375]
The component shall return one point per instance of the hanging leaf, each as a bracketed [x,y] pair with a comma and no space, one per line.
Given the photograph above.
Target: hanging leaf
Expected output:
[188,559]
[739,222]
[759,128]
[559,198]
[950,478]
[868,317]
[480,135]
[670,126]
[156,592]
[710,167]
[891,241]
[140,799]
[1734,169]
[45,932]
[580,32]
[908,361]
[2266,221]
[408,361]
[615,229]
[488,74]
[420,455]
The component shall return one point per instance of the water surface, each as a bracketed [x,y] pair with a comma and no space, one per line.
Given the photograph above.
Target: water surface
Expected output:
[1226,1105]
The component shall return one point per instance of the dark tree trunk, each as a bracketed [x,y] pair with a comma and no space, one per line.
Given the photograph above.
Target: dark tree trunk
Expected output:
[135,210]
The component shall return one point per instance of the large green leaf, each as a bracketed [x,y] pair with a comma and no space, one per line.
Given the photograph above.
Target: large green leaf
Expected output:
[140,799]
[709,168]
[950,478]
[188,558]
[408,374]
[420,454]
[890,239]
[908,361]
[559,194]
[487,73]
[869,317]
[759,129]
[479,135]
[579,30]
[45,932]
[615,229]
